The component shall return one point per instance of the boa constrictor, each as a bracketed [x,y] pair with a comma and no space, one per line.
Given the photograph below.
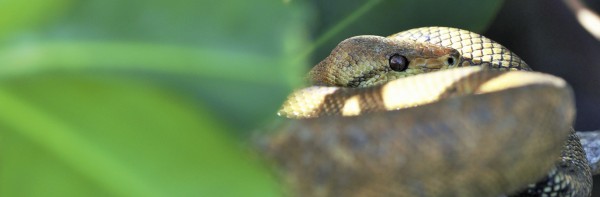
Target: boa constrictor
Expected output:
[380,122]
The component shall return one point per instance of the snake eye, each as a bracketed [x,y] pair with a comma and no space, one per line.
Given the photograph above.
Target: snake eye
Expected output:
[398,63]
[451,61]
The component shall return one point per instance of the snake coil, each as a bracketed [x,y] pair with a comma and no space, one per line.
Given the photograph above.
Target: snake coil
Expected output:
[482,124]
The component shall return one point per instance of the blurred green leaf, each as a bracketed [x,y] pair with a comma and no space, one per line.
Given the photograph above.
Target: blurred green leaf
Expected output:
[141,98]
[97,135]
[125,57]
[215,42]
[17,16]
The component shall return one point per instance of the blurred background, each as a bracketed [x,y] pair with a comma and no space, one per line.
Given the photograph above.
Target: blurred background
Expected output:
[158,98]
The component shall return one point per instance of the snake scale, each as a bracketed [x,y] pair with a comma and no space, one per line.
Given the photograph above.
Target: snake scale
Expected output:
[432,111]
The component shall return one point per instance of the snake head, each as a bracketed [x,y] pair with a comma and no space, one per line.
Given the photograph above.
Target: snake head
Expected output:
[370,60]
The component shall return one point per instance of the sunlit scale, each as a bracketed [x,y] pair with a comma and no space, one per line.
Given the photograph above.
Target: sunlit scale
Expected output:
[516,79]
[351,106]
[406,92]
[305,103]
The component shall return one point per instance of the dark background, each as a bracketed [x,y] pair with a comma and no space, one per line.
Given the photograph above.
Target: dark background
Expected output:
[547,35]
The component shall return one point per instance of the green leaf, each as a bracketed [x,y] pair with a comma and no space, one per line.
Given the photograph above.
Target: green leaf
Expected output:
[200,47]
[90,135]
[16,16]
[142,97]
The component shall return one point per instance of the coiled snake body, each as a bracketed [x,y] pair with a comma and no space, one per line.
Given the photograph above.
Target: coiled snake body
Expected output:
[370,128]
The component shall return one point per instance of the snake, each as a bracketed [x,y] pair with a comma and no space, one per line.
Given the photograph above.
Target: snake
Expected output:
[430,111]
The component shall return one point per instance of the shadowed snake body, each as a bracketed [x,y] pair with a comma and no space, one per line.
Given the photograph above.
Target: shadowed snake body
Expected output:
[380,122]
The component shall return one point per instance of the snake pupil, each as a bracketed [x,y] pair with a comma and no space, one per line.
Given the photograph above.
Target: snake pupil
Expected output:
[450,61]
[398,63]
